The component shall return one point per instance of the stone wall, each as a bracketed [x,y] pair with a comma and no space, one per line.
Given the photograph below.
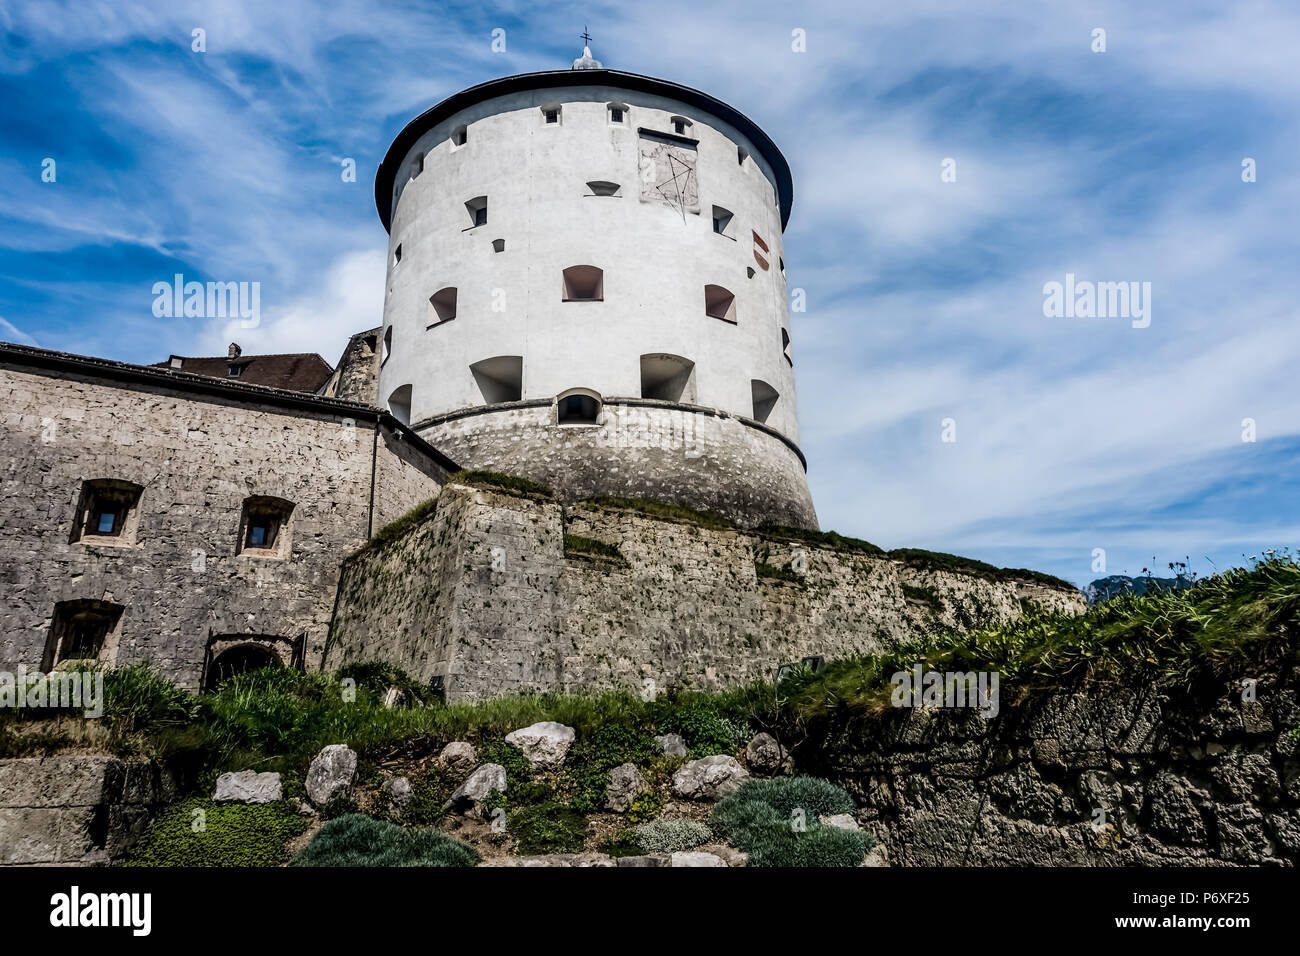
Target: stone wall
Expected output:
[76,809]
[1112,778]
[198,448]
[484,594]
[698,458]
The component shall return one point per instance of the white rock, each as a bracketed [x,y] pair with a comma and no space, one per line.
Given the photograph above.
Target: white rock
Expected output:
[545,744]
[489,778]
[673,745]
[763,754]
[844,821]
[458,757]
[696,859]
[625,785]
[398,791]
[331,772]
[247,786]
[709,778]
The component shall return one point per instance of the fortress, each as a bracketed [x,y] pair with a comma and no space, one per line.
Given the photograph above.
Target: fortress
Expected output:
[586,289]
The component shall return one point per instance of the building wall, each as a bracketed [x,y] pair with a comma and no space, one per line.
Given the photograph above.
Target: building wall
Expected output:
[197,457]
[484,594]
[703,460]
[656,259]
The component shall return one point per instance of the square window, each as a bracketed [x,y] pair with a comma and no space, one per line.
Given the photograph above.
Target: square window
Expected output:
[265,527]
[616,115]
[552,116]
[106,512]
[81,630]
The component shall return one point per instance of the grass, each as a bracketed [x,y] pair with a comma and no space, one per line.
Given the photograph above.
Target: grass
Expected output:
[772,572]
[502,482]
[1240,621]
[667,512]
[397,528]
[820,539]
[590,547]
[939,561]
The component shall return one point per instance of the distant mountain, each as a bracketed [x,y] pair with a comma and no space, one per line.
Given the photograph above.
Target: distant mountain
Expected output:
[1103,589]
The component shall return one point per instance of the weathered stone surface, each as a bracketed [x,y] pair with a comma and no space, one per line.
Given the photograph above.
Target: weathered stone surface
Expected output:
[651,859]
[458,757]
[1112,778]
[247,786]
[554,859]
[763,754]
[489,778]
[672,744]
[709,778]
[331,773]
[625,784]
[728,855]
[545,743]
[398,792]
[484,594]
[185,588]
[76,809]
[696,859]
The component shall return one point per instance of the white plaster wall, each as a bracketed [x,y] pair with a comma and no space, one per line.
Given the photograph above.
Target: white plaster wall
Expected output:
[655,265]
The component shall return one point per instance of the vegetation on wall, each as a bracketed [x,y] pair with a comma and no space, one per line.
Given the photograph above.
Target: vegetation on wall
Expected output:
[198,832]
[589,547]
[356,840]
[502,482]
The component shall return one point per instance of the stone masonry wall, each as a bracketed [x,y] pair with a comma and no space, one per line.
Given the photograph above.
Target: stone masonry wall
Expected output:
[1119,777]
[197,456]
[701,459]
[484,594]
[76,809]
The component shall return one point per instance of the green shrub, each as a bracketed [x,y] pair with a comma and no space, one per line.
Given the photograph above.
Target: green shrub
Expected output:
[358,840]
[646,806]
[777,822]
[549,827]
[671,836]
[591,758]
[232,834]
[705,729]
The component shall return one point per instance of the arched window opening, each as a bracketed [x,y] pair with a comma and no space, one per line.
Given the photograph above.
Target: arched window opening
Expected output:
[584,284]
[578,407]
[442,306]
[499,379]
[399,404]
[765,398]
[668,378]
[477,209]
[719,303]
[108,512]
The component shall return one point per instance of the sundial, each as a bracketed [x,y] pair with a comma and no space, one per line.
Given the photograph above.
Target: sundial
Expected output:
[669,174]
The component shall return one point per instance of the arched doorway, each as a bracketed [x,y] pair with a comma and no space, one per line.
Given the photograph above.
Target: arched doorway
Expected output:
[232,654]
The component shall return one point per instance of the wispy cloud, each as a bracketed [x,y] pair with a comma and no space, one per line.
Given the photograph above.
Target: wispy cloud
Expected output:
[924,297]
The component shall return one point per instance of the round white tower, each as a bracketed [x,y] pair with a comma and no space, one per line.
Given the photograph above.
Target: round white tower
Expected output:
[586,288]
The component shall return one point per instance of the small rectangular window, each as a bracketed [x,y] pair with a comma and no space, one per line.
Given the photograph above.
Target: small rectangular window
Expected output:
[616,115]
[552,116]
[480,216]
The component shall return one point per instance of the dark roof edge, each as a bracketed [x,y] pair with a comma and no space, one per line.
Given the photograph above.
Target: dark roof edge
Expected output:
[181,381]
[387,172]
[409,435]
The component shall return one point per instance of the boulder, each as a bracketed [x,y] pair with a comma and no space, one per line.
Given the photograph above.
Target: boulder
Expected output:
[625,785]
[545,744]
[673,745]
[458,757]
[709,778]
[489,778]
[697,859]
[398,792]
[843,821]
[331,773]
[247,786]
[763,754]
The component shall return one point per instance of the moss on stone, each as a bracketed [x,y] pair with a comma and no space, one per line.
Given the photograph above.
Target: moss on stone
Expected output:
[578,546]
[502,482]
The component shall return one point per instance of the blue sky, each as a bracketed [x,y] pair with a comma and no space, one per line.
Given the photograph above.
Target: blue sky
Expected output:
[924,298]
